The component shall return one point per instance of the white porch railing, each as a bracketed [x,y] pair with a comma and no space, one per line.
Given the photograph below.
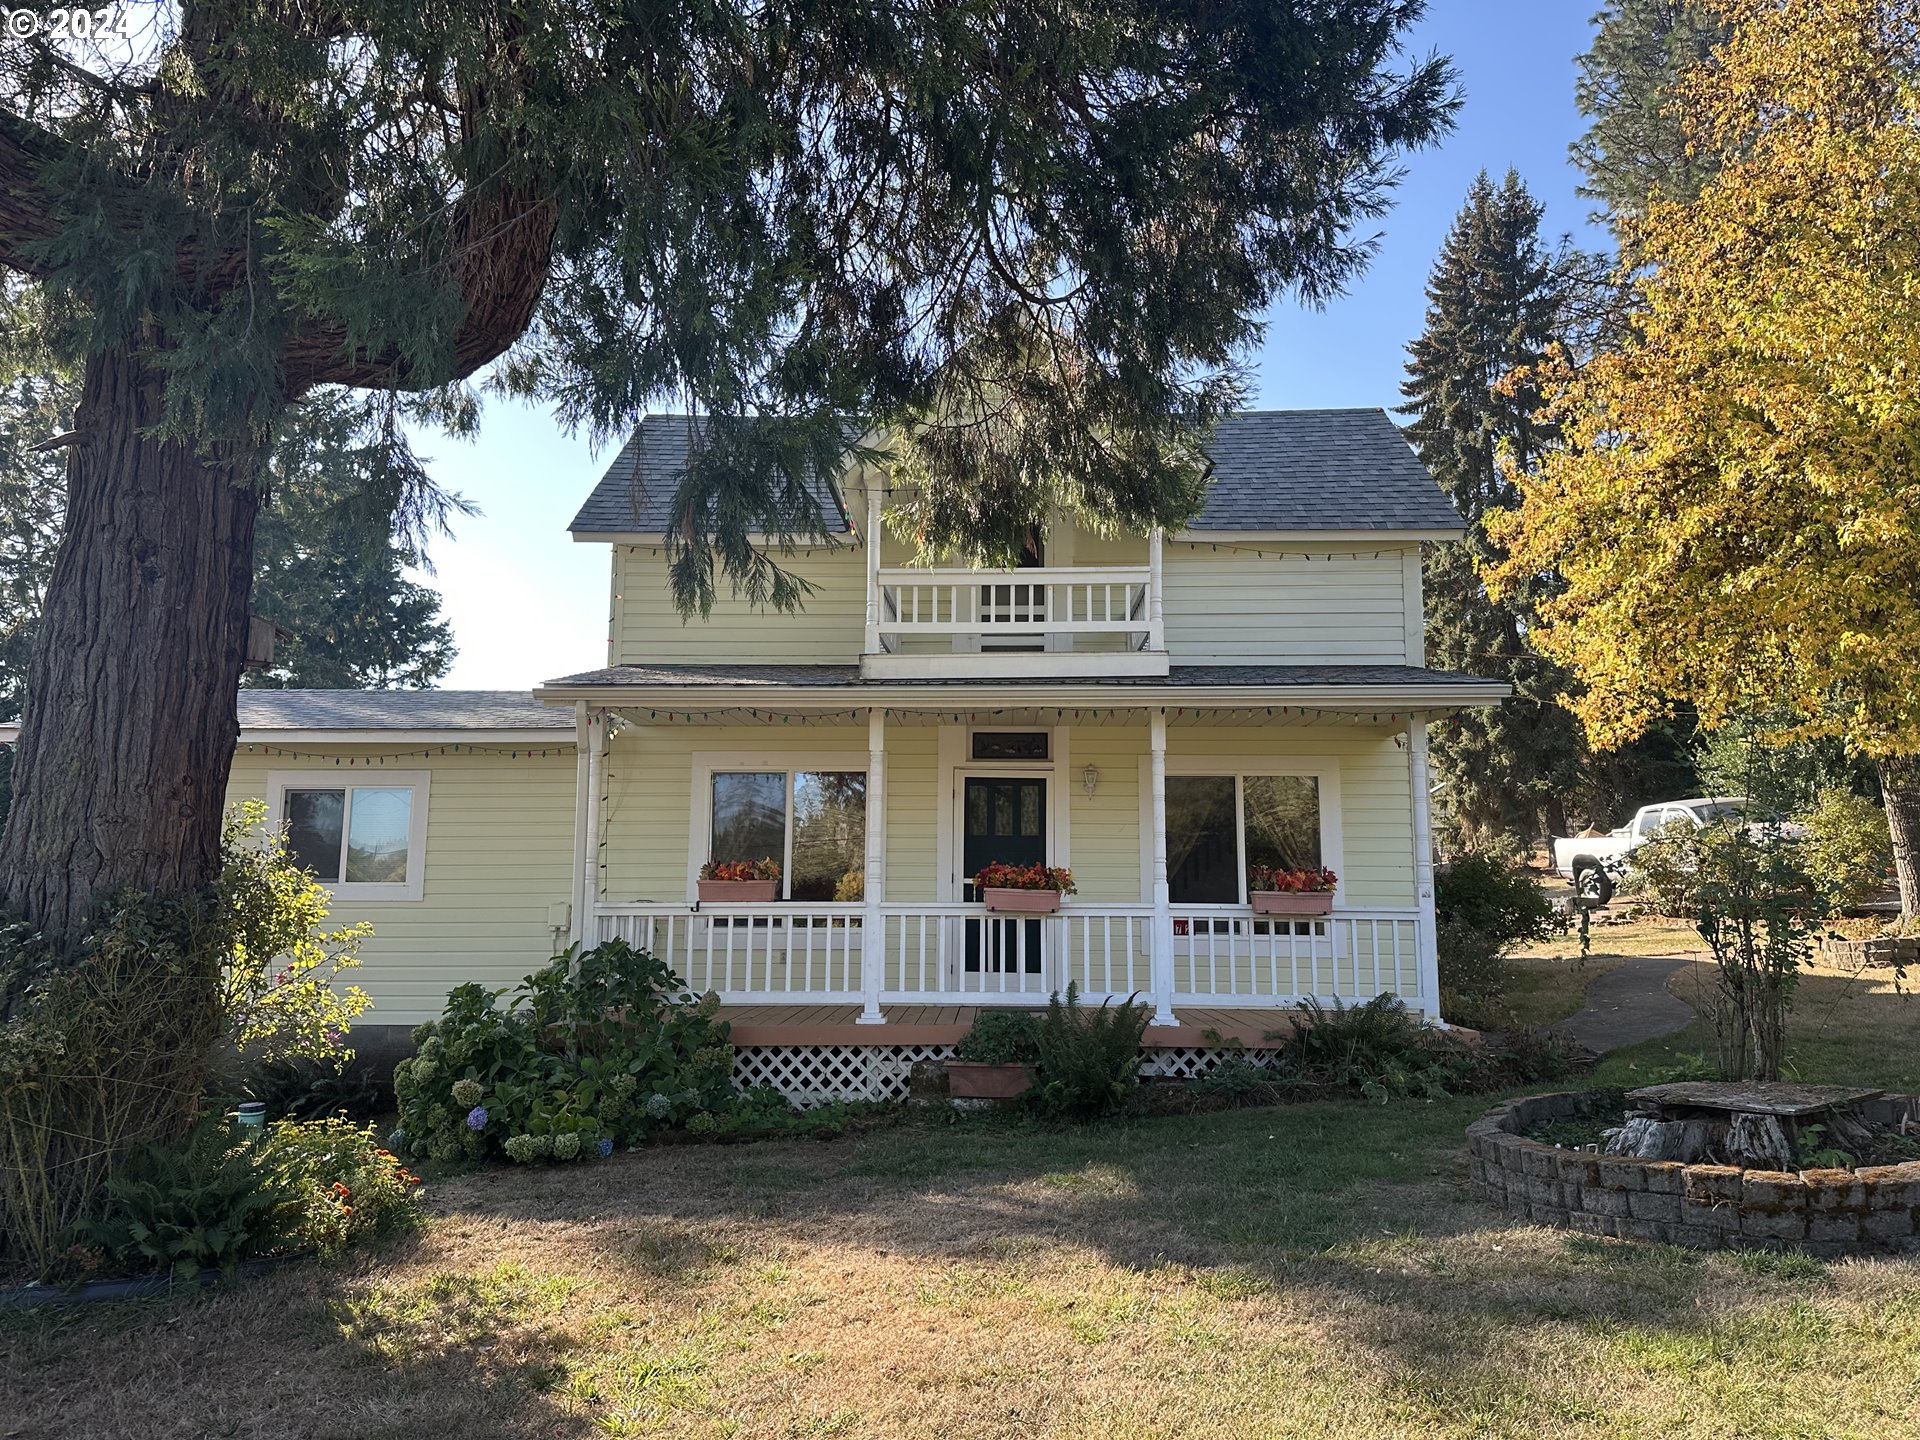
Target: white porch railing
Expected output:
[1223,955]
[986,605]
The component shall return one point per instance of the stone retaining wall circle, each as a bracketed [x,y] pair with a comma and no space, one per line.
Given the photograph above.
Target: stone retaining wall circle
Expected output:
[1709,1207]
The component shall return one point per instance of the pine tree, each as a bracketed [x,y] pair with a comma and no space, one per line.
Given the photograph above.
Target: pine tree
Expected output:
[1494,307]
[1635,146]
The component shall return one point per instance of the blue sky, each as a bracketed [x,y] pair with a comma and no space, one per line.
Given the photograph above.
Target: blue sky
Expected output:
[527,604]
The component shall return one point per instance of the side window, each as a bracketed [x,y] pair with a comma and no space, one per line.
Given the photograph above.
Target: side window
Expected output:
[367,842]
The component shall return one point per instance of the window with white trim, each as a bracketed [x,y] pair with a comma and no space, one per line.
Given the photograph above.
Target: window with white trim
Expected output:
[814,822]
[363,839]
[1218,826]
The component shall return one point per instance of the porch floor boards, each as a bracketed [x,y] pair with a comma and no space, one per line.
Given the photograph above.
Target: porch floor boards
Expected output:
[945,1024]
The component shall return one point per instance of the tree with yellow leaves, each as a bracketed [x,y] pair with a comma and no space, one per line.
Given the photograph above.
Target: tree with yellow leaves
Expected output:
[1735,517]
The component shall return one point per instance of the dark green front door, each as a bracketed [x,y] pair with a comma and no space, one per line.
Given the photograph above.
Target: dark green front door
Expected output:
[1004,822]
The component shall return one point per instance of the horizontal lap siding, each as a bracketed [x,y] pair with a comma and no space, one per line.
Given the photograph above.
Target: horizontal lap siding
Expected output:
[649,800]
[649,793]
[1234,607]
[1376,816]
[499,854]
[648,630]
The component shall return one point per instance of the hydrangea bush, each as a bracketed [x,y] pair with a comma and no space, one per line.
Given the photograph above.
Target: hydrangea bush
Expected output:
[599,1047]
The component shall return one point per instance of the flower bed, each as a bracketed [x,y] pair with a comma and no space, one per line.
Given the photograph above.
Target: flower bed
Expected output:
[1825,1212]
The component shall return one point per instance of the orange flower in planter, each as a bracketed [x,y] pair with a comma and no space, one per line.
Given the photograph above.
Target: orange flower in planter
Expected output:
[1025,877]
[1314,880]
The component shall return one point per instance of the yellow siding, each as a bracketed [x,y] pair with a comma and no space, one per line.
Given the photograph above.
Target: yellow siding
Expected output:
[1234,607]
[647,630]
[499,854]
[649,806]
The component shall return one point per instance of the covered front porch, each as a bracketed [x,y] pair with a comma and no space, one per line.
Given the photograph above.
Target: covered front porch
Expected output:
[1156,807]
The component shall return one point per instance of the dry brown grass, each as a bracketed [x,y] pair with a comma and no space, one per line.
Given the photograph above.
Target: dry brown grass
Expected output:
[1317,1270]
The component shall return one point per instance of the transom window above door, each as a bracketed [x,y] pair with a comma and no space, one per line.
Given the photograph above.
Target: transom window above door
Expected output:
[364,840]
[1218,826]
[814,822]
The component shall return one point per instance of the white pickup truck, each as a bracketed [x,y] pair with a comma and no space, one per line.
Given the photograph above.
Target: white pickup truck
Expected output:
[1594,862]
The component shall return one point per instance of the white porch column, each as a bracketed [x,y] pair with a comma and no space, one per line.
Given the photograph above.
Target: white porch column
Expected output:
[1156,625]
[590,854]
[582,783]
[1425,929]
[872,539]
[873,930]
[1161,965]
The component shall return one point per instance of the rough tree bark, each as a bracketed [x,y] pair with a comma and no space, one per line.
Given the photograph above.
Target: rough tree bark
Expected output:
[1900,787]
[122,781]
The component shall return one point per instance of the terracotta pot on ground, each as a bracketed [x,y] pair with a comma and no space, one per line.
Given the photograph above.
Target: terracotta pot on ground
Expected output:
[1021,902]
[737,892]
[1292,902]
[979,1080]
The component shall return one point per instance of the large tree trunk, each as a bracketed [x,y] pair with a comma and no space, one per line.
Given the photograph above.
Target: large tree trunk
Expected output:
[1900,788]
[129,726]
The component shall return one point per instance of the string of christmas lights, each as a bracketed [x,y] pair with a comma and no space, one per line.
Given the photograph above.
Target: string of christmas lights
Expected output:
[282,752]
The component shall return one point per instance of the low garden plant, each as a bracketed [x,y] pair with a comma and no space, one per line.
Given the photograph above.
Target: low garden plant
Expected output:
[1001,1037]
[597,1048]
[1089,1056]
[1485,907]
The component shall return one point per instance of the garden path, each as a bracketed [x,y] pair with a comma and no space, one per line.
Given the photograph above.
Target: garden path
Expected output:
[1629,1004]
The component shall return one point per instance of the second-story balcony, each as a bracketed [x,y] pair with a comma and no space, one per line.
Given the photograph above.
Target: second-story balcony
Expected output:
[1060,620]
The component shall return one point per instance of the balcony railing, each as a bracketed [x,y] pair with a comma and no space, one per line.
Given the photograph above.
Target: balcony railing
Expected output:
[1063,608]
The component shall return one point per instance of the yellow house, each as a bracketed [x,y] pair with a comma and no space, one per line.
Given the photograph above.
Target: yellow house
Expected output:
[1160,714]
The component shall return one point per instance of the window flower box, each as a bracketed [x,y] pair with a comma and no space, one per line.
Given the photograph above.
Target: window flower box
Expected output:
[739,882]
[1023,889]
[1274,891]
[1291,902]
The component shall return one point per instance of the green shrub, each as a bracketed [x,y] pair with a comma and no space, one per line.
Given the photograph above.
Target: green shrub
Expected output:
[1848,849]
[207,1203]
[1484,906]
[1379,1051]
[599,1046]
[298,1087]
[1664,872]
[1089,1059]
[1001,1037]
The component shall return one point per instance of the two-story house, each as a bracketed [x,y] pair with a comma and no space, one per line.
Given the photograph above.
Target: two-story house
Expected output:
[1157,712]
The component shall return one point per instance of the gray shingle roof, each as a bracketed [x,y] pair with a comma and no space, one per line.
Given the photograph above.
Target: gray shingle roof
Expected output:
[693,677]
[1273,470]
[1319,470]
[397,710]
[634,495]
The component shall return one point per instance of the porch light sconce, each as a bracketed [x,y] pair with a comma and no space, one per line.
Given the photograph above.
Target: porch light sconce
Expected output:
[1090,780]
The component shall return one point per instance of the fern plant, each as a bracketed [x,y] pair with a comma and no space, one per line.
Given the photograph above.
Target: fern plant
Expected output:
[1089,1058]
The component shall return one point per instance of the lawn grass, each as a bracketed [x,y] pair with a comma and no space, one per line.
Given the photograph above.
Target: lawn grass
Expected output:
[1311,1270]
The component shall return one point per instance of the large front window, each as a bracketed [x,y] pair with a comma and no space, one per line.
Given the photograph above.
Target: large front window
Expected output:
[1220,825]
[814,822]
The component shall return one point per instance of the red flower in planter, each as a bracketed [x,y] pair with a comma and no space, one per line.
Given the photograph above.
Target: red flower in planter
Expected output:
[1025,877]
[1317,880]
[740,870]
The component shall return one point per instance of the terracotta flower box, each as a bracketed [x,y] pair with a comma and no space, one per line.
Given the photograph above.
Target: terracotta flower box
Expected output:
[980,1080]
[1292,902]
[1021,902]
[737,892]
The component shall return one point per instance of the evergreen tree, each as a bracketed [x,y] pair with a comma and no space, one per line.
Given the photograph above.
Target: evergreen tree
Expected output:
[1635,146]
[1031,241]
[1494,307]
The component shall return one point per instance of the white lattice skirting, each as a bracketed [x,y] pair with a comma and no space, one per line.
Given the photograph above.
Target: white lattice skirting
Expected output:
[819,1074]
[1189,1061]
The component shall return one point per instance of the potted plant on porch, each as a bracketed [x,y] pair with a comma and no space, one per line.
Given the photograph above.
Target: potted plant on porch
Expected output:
[995,1059]
[1278,891]
[739,882]
[1023,889]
